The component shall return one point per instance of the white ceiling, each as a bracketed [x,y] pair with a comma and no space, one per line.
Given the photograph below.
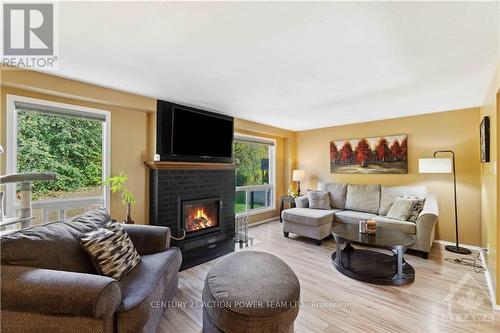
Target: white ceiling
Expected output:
[292,65]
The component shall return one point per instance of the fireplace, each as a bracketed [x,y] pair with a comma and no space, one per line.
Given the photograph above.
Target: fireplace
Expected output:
[173,188]
[200,216]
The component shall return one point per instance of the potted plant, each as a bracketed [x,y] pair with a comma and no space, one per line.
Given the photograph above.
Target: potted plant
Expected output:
[119,184]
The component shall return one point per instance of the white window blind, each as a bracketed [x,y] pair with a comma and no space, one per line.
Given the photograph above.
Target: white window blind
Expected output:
[252,139]
[57,111]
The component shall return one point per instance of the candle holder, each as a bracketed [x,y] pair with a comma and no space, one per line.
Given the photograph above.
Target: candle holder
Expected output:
[371,227]
[241,232]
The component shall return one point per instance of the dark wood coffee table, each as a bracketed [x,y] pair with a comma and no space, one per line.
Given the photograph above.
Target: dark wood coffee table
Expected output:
[373,266]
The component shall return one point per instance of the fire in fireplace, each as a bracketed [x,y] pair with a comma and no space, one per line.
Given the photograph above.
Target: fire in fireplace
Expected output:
[200,216]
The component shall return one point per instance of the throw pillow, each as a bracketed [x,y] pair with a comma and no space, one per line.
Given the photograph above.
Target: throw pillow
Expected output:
[111,250]
[318,199]
[401,209]
[417,207]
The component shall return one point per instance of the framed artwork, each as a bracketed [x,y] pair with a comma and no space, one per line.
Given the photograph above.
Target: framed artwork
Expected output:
[484,131]
[384,154]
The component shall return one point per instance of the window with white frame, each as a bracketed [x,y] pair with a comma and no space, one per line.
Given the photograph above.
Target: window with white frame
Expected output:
[255,184]
[72,141]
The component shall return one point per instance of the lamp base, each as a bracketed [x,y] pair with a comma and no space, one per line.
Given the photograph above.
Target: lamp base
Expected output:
[461,250]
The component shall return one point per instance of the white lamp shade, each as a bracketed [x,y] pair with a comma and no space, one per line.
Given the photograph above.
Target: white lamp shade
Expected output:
[298,175]
[435,165]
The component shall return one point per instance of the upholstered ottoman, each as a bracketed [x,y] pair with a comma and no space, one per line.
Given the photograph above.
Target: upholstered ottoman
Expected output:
[312,223]
[250,292]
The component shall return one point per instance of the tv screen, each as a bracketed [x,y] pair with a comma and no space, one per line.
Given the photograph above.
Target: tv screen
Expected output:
[196,134]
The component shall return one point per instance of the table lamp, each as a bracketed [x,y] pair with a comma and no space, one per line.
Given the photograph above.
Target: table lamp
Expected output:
[298,176]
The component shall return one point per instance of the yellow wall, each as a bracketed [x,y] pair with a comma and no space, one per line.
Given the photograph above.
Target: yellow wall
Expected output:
[455,130]
[494,248]
[490,184]
[129,125]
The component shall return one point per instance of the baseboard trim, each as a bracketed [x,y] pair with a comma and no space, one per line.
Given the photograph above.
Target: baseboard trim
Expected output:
[471,247]
[489,283]
[254,224]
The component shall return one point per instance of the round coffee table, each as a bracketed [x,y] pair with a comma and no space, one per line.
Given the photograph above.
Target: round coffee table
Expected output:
[372,266]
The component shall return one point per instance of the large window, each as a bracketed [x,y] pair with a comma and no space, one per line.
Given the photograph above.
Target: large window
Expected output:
[68,140]
[255,175]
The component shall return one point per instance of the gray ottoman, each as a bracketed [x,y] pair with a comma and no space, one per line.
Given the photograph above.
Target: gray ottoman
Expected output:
[312,223]
[250,292]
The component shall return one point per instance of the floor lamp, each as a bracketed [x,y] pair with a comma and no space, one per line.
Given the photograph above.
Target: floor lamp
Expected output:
[444,165]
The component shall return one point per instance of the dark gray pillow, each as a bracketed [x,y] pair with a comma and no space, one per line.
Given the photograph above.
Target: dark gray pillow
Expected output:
[111,250]
[319,199]
[53,245]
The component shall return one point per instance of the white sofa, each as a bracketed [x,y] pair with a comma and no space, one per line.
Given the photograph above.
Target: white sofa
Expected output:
[351,203]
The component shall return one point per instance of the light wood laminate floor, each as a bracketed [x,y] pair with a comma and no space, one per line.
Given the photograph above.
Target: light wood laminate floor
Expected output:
[333,302]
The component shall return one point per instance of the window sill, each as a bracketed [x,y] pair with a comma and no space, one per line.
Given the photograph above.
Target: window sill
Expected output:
[257,211]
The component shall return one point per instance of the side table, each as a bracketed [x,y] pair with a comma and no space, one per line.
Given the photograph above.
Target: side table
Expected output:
[286,199]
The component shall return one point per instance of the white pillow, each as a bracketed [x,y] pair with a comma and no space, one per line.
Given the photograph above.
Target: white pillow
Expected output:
[319,199]
[401,208]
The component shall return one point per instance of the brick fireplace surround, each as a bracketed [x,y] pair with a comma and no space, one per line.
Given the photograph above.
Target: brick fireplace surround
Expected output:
[168,187]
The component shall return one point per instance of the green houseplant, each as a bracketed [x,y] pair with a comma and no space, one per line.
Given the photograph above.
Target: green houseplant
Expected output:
[119,184]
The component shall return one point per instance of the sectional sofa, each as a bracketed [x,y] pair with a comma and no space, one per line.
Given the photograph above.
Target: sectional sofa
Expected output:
[351,203]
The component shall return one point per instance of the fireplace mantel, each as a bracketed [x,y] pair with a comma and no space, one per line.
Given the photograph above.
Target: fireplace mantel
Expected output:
[175,165]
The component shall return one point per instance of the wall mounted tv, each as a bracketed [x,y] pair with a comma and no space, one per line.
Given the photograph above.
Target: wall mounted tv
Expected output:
[187,134]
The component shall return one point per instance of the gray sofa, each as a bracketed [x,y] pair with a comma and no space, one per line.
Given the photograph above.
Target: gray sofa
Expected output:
[50,285]
[351,203]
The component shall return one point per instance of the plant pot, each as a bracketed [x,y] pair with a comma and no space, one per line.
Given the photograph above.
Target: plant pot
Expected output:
[128,219]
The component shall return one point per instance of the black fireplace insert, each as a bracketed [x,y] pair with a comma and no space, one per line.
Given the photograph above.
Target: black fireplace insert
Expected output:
[200,216]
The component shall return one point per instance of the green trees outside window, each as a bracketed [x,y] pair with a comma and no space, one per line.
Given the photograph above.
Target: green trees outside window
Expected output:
[69,146]
[254,170]
[252,158]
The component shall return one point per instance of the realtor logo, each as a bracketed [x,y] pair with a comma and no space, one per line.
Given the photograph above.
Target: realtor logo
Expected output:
[28,29]
[468,304]
[30,33]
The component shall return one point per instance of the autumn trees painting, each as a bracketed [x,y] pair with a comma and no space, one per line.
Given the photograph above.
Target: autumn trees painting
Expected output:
[387,154]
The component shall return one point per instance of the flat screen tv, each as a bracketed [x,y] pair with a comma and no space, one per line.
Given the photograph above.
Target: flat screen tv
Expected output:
[189,134]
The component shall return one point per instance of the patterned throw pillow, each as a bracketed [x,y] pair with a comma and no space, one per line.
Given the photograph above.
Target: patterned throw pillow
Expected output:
[319,199]
[417,207]
[111,250]
[401,209]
